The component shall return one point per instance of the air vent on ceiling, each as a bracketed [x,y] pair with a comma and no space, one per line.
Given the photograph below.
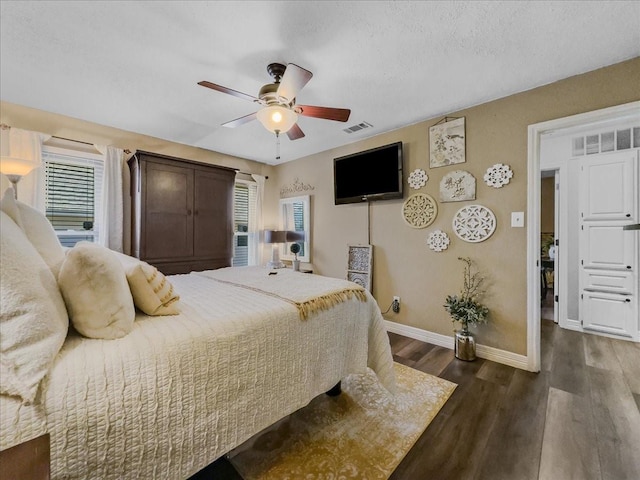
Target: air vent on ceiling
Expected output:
[359,126]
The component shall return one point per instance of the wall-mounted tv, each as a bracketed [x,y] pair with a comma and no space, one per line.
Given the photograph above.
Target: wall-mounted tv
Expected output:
[374,174]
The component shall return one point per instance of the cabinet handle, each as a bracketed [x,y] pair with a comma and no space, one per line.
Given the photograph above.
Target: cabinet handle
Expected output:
[627,300]
[628,267]
[628,215]
[195,212]
[188,212]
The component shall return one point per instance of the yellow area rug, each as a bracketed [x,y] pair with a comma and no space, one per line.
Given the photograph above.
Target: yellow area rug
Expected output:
[364,433]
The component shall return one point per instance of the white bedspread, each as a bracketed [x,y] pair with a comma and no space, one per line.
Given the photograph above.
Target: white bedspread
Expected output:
[180,391]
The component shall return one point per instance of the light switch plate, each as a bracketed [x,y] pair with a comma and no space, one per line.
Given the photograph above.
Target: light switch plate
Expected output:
[517,219]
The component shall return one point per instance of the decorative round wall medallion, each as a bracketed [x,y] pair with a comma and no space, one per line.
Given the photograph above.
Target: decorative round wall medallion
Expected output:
[419,210]
[474,223]
[498,175]
[438,241]
[418,178]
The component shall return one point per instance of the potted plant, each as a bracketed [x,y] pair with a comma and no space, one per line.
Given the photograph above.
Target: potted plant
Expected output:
[467,309]
[295,249]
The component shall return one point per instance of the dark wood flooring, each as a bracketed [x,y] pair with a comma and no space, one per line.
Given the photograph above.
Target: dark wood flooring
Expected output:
[579,418]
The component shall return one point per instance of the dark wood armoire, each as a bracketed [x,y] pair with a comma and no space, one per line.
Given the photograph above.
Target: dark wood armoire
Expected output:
[182,213]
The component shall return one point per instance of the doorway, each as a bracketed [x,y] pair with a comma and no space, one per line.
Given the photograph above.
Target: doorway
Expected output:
[549,242]
[536,152]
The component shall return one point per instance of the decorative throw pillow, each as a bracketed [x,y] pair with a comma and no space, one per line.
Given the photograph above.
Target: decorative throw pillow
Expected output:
[9,205]
[33,319]
[38,229]
[152,292]
[95,290]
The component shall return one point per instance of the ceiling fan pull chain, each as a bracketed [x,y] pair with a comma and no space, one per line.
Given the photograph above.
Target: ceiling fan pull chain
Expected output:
[277,144]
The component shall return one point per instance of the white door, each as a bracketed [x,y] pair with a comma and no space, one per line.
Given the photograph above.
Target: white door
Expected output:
[608,183]
[609,254]
[608,313]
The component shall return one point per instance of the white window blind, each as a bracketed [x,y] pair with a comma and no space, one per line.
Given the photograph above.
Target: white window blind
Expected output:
[73,189]
[244,219]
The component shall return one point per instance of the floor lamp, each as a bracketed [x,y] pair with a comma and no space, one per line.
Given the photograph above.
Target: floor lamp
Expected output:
[16,168]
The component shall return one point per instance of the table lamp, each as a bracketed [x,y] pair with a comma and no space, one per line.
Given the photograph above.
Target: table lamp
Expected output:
[275,238]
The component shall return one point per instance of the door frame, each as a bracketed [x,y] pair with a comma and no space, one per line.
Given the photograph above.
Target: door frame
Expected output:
[535,133]
[558,204]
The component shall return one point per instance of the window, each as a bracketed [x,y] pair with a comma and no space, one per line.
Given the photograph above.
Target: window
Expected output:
[73,192]
[244,219]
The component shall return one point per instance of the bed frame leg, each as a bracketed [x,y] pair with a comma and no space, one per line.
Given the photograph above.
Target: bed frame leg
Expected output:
[335,390]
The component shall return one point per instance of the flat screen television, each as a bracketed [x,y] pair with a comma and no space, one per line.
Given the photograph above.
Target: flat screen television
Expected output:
[374,174]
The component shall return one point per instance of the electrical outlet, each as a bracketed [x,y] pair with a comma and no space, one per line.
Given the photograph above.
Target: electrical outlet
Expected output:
[396,304]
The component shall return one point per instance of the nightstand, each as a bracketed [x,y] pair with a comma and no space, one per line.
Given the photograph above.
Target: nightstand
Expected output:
[27,461]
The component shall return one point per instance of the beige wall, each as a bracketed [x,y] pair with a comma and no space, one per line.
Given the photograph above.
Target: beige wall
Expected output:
[547,204]
[403,265]
[56,125]
[496,132]
[18,116]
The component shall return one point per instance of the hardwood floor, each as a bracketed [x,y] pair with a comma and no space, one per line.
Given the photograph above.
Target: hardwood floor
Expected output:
[579,418]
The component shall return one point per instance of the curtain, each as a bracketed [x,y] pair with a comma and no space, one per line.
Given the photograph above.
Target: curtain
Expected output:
[255,229]
[26,144]
[110,212]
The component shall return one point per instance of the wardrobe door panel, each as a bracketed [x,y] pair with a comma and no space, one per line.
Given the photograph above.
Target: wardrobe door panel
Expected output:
[213,214]
[168,211]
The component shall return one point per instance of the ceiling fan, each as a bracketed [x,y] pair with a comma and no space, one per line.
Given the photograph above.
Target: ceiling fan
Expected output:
[279,112]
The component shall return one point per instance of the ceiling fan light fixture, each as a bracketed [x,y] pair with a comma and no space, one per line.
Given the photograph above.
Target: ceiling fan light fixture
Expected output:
[276,118]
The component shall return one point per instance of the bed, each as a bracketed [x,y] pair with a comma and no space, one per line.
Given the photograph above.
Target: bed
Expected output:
[246,347]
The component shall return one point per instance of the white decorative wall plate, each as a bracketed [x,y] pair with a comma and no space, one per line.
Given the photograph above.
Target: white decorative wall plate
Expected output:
[474,223]
[457,186]
[438,241]
[419,210]
[498,175]
[418,178]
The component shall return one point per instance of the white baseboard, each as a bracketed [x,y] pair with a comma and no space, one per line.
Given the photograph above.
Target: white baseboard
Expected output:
[420,334]
[489,353]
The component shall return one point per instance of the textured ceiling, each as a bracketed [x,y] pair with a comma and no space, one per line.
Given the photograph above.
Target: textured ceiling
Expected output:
[135,65]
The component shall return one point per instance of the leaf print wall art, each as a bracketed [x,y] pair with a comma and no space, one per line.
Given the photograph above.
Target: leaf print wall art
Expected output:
[447,143]
[457,186]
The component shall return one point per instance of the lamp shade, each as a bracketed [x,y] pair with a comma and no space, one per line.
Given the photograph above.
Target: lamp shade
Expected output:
[277,119]
[275,236]
[16,166]
[295,236]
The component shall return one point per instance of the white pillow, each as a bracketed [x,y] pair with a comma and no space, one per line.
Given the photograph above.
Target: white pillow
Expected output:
[95,290]
[33,319]
[38,229]
[152,292]
[9,205]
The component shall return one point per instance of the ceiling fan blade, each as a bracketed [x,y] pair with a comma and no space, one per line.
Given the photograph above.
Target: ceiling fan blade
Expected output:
[337,114]
[293,80]
[295,132]
[240,121]
[230,91]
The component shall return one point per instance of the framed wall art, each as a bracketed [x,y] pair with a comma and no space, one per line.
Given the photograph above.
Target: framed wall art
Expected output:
[447,143]
[360,265]
[457,186]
